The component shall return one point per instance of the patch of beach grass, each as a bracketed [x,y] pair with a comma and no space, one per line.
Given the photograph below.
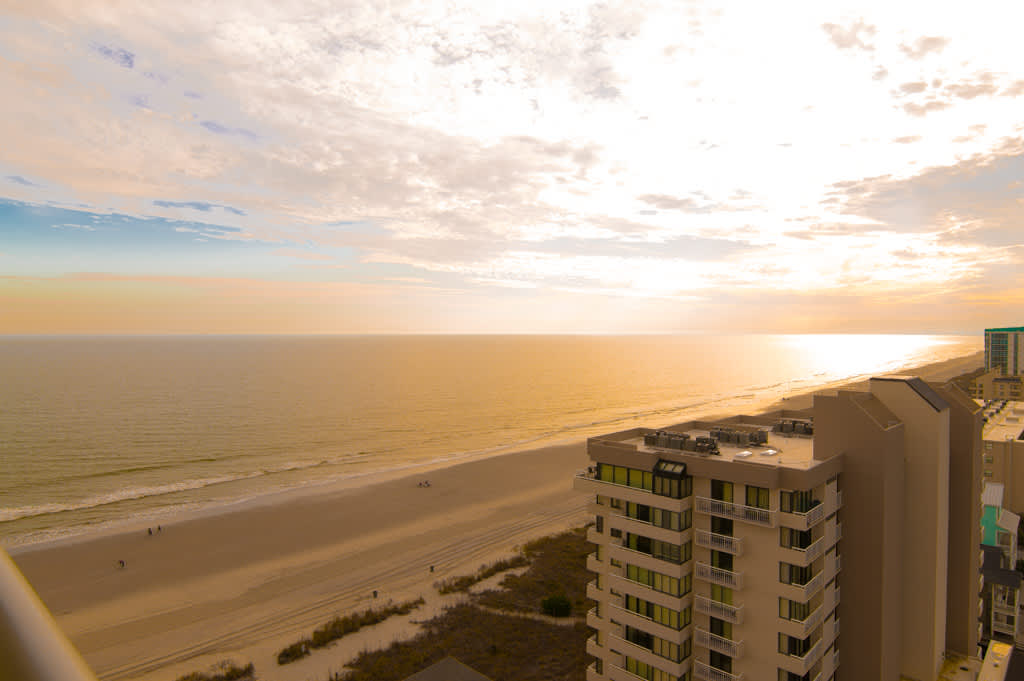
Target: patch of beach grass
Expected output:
[464,582]
[558,568]
[501,647]
[223,671]
[343,626]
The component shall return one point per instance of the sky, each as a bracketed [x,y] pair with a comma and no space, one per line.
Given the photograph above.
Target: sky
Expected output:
[475,167]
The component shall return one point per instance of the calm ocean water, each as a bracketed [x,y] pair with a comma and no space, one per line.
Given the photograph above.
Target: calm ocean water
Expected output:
[100,430]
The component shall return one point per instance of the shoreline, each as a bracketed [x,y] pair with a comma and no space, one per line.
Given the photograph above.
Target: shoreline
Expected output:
[799,398]
[248,578]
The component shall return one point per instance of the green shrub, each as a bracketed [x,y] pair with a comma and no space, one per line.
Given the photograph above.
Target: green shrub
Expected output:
[556,606]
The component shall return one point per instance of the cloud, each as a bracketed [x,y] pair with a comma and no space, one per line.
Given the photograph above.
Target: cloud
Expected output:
[219,129]
[908,139]
[854,35]
[197,205]
[975,201]
[1016,89]
[303,255]
[924,46]
[118,55]
[910,88]
[18,179]
[982,84]
[923,109]
[880,73]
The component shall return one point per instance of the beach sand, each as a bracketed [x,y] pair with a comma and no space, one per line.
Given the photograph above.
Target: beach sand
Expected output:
[245,582]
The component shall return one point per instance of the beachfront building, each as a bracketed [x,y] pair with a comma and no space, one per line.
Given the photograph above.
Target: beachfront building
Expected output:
[740,548]
[1003,348]
[1003,450]
[1001,594]
[993,385]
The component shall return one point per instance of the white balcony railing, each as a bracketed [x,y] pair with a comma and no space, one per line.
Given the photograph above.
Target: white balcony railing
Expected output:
[749,514]
[706,672]
[802,664]
[809,554]
[814,619]
[803,520]
[723,611]
[708,573]
[810,588]
[717,643]
[720,542]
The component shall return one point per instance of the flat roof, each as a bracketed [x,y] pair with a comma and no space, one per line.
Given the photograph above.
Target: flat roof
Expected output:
[1005,424]
[779,451]
[1007,329]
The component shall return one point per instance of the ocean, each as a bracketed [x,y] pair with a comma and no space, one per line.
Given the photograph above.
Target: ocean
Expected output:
[101,431]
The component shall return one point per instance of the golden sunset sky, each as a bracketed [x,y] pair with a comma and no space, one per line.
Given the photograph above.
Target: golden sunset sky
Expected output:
[404,167]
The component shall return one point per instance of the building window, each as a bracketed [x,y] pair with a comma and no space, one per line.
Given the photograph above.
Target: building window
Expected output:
[757,497]
[797,502]
[792,610]
[599,523]
[989,458]
[720,661]
[720,627]
[659,646]
[721,560]
[721,490]
[615,532]
[673,487]
[673,619]
[722,526]
[795,574]
[988,474]
[630,477]
[797,647]
[672,586]
[794,539]
[722,594]
[662,550]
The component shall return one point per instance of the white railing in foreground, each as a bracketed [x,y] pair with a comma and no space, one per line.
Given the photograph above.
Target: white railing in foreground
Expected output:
[32,646]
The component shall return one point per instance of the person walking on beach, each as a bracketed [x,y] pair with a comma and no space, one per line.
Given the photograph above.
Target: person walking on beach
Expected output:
[120,564]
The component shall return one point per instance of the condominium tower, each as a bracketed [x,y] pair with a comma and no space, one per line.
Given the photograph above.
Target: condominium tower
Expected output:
[1003,349]
[740,548]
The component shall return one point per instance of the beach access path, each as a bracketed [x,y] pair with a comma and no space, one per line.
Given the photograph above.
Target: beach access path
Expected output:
[245,582]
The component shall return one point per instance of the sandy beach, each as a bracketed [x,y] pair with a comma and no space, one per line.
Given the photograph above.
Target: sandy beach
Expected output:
[247,581]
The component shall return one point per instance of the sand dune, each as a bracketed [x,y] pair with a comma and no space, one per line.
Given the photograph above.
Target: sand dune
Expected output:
[247,581]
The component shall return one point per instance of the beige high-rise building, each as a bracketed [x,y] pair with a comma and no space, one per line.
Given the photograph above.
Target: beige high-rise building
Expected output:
[740,548]
[1003,450]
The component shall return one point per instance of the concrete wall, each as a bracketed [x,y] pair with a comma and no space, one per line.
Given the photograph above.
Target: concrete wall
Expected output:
[872,484]
[925,525]
[965,480]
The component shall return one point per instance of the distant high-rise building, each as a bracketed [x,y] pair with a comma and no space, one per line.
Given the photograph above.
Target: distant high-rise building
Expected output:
[1003,350]
[738,549]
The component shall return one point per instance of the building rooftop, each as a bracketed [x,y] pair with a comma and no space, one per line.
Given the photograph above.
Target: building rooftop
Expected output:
[1005,420]
[779,450]
[1007,329]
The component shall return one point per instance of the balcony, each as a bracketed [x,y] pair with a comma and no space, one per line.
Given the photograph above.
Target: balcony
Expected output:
[592,674]
[638,621]
[625,555]
[803,592]
[593,647]
[806,556]
[593,619]
[722,645]
[708,673]
[733,580]
[722,611]
[720,542]
[812,620]
[647,656]
[803,520]
[594,593]
[747,514]
[590,484]
[646,529]
[801,665]
[593,564]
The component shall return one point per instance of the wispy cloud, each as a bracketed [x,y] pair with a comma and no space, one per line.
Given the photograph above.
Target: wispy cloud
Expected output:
[18,179]
[198,205]
[924,46]
[118,55]
[854,35]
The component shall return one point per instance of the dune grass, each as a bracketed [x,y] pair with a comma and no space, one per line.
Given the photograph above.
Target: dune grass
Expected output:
[558,567]
[464,582]
[343,626]
[224,671]
[501,647]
